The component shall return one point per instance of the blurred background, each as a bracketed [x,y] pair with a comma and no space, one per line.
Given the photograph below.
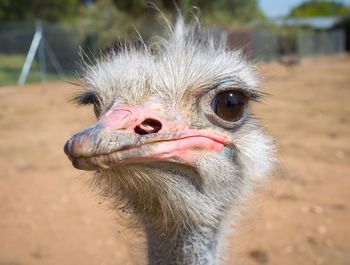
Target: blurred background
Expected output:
[266,30]
[301,48]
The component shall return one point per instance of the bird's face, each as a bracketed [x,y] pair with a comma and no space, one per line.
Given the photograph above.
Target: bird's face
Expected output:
[174,135]
[148,133]
[128,134]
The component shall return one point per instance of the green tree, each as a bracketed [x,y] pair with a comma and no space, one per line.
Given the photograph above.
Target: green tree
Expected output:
[103,24]
[116,20]
[50,10]
[319,8]
[219,12]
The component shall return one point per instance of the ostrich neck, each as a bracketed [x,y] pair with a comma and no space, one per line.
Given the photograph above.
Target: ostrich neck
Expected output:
[199,247]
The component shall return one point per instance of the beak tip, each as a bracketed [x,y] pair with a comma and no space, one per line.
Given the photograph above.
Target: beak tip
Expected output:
[79,145]
[66,148]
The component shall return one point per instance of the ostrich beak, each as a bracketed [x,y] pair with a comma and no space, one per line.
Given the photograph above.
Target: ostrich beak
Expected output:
[129,135]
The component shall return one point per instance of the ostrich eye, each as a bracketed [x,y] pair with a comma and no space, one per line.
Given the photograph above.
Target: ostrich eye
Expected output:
[229,105]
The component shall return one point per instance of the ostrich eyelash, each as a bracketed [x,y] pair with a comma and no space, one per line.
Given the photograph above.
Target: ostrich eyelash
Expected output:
[238,85]
[256,96]
[86,98]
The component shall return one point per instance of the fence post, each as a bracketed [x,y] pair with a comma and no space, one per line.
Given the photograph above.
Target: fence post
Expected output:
[31,54]
[41,52]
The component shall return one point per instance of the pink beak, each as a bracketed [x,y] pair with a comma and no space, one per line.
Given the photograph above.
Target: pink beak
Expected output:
[128,134]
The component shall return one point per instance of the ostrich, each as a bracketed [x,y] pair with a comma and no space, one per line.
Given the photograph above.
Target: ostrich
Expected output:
[175,141]
[289,60]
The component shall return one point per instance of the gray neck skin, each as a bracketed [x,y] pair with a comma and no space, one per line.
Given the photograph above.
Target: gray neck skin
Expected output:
[198,247]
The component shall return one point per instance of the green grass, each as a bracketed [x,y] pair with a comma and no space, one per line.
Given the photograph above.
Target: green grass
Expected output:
[11,66]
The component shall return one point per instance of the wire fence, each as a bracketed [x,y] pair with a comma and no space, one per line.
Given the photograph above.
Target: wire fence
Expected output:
[267,45]
[61,44]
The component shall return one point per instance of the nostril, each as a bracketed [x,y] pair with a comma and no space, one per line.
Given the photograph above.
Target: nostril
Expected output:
[148,126]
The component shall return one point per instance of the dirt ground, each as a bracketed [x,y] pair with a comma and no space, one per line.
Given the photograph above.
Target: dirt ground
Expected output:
[48,215]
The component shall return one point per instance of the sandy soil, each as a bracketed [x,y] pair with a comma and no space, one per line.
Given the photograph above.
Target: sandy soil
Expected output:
[301,216]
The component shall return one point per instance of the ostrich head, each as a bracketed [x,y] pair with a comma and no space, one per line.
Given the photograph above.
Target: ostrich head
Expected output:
[175,140]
